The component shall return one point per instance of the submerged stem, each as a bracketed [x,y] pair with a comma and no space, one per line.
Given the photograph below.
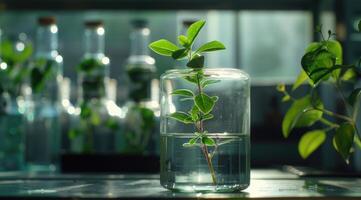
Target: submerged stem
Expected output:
[204,146]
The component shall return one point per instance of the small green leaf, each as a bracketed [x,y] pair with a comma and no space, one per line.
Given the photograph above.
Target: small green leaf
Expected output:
[163,47]
[343,140]
[194,113]
[183,92]
[181,117]
[183,40]
[180,54]
[208,141]
[281,87]
[301,78]
[209,82]
[215,98]
[204,103]
[286,98]
[196,62]
[194,30]
[192,78]
[354,97]
[208,116]
[211,46]
[310,141]
[301,114]
[193,140]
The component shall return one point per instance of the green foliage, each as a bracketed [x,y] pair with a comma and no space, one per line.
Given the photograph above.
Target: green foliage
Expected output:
[302,113]
[203,104]
[323,62]
[343,140]
[310,141]
[42,71]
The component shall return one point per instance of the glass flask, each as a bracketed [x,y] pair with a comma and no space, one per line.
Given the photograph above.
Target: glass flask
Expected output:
[43,106]
[207,150]
[140,133]
[97,120]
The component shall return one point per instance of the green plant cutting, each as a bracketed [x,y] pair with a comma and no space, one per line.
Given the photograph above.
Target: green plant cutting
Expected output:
[202,103]
[322,62]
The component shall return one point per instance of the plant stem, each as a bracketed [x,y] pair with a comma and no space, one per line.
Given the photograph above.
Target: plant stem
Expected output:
[330,113]
[204,146]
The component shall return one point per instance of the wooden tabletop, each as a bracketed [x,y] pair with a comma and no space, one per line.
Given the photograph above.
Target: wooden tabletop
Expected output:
[265,184]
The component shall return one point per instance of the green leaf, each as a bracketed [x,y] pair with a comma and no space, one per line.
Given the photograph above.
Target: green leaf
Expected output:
[183,92]
[183,40]
[193,140]
[354,97]
[301,114]
[181,117]
[286,98]
[180,54]
[343,140]
[301,78]
[196,62]
[194,30]
[209,82]
[208,116]
[313,61]
[194,113]
[310,141]
[215,98]
[163,47]
[208,141]
[204,103]
[211,46]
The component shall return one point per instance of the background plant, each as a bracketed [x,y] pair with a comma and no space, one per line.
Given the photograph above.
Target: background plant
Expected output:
[322,62]
[201,103]
[91,112]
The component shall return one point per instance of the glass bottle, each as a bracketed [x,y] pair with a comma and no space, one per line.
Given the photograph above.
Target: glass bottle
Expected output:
[223,164]
[43,106]
[97,118]
[140,125]
[14,54]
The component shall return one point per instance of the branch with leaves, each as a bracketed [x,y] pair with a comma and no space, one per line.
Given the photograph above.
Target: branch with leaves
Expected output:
[321,63]
[202,104]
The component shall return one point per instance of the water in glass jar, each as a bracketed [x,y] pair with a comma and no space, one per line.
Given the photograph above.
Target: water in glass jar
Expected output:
[187,169]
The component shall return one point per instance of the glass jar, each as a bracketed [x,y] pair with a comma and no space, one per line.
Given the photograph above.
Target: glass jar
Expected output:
[206,150]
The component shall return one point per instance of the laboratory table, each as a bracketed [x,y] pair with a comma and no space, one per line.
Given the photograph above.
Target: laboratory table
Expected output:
[265,184]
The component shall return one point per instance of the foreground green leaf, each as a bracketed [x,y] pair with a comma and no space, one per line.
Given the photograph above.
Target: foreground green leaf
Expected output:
[310,141]
[163,47]
[301,114]
[194,30]
[343,140]
[211,46]
[180,54]
[196,62]
[204,103]
[183,92]
[208,141]
[181,117]
[209,82]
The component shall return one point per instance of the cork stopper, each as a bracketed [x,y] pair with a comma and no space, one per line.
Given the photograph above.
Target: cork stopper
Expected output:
[46,20]
[93,23]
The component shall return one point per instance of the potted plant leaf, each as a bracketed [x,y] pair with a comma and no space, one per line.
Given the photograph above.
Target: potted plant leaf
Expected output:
[323,63]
